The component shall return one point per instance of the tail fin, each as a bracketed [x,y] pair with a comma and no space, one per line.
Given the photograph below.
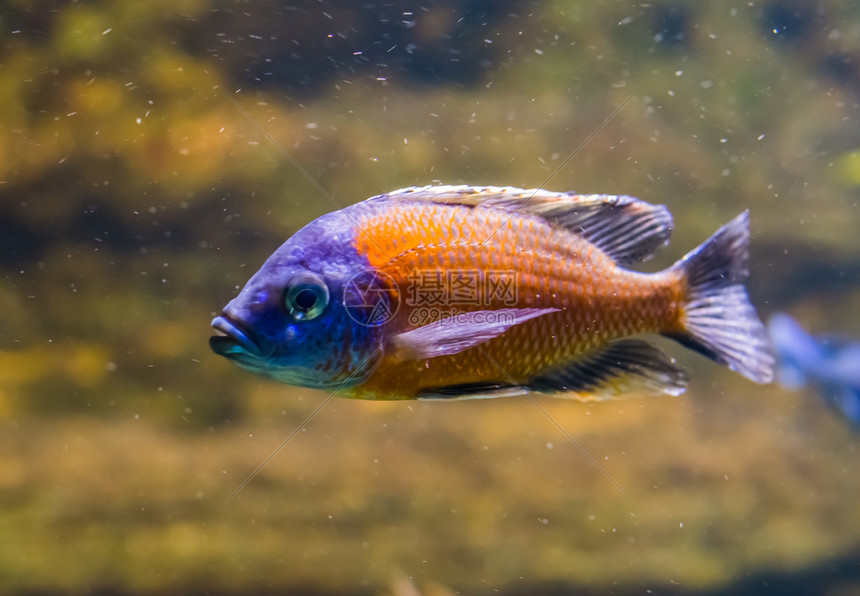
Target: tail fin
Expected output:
[718,319]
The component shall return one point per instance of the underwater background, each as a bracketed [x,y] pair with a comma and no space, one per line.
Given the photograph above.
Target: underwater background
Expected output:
[136,198]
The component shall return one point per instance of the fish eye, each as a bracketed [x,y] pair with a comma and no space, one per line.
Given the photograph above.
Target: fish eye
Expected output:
[306,297]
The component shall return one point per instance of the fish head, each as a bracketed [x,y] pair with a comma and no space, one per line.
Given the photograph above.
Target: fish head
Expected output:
[289,322]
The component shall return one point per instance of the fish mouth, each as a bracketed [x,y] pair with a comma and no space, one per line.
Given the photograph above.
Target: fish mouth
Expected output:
[231,340]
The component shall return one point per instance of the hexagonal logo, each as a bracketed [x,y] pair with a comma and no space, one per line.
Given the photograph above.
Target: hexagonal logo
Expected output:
[371,298]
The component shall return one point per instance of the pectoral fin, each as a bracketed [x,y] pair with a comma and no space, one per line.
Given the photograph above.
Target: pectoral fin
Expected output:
[459,332]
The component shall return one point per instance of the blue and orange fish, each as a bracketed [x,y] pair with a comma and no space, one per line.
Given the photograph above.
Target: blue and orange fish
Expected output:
[447,292]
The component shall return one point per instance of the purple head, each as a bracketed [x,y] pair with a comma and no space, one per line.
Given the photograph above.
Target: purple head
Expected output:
[289,321]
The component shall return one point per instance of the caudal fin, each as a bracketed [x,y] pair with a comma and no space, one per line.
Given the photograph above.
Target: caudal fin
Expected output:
[718,319]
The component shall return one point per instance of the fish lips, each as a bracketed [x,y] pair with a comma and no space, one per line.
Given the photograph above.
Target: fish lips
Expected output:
[231,341]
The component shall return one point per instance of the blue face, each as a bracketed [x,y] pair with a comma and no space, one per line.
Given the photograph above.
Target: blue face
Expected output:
[289,322]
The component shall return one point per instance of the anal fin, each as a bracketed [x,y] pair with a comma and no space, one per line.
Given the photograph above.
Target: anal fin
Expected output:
[625,368]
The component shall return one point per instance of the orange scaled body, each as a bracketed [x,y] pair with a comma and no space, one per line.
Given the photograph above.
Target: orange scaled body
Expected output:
[598,300]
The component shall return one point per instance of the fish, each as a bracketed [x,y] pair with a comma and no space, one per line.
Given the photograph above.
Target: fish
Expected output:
[455,292]
[829,363]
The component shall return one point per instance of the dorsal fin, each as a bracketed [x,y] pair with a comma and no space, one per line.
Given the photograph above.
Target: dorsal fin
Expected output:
[627,229]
